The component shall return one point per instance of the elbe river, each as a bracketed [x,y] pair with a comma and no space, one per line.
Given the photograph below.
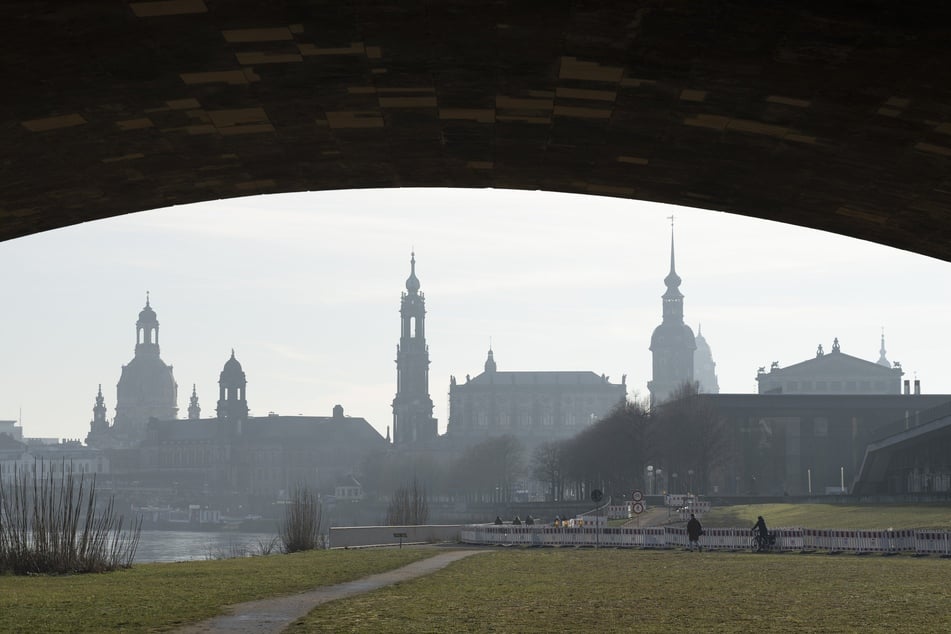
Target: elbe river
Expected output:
[193,545]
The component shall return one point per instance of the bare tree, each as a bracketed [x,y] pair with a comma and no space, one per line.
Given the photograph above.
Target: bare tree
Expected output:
[692,438]
[612,453]
[548,466]
[300,528]
[408,506]
[489,470]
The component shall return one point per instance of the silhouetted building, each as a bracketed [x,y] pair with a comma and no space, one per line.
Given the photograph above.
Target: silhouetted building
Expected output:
[147,387]
[413,422]
[672,344]
[532,406]
[704,367]
[238,460]
[832,373]
[791,443]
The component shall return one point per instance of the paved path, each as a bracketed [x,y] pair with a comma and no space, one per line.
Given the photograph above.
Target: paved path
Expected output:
[273,615]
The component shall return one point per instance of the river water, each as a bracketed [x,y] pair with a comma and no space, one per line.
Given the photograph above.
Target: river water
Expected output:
[192,545]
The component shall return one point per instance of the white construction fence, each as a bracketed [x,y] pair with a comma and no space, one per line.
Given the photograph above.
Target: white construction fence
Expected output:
[920,542]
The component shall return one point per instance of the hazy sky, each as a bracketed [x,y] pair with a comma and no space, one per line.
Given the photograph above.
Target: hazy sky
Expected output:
[306,289]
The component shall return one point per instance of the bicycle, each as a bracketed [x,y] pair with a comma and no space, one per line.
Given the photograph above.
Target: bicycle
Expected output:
[762,543]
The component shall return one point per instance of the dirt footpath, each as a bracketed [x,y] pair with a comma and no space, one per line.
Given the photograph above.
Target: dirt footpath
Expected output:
[273,615]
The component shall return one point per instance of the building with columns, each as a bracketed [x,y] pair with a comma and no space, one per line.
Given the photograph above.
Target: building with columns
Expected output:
[413,421]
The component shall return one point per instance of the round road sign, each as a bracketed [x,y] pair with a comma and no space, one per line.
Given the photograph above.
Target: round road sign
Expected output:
[638,508]
[637,496]
[596,495]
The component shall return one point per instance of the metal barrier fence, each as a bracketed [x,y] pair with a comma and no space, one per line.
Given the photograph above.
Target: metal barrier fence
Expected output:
[794,539]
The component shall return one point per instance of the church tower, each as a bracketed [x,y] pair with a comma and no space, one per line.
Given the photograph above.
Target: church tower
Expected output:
[232,398]
[882,359]
[672,343]
[147,387]
[194,411]
[413,421]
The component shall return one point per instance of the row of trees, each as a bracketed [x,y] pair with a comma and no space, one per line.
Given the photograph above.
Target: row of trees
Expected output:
[683,436]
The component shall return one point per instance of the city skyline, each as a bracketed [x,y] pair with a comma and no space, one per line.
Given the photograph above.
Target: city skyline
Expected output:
[306,288]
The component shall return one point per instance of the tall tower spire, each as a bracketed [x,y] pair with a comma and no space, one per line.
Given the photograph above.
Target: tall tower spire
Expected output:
[413,420]
[194,411]
[882,360]
[99,413]
[672,343]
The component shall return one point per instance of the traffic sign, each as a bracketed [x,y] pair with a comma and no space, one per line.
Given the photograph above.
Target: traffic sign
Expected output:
[596,495]
[638,508]
[637,496]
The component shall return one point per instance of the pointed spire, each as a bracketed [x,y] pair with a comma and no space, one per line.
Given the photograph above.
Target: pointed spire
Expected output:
[194,410]
[146,299]
[672,280]
[412,282]
[490,361]
[882,360]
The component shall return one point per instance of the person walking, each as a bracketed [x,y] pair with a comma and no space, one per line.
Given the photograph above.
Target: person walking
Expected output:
[694,531]
[762,534]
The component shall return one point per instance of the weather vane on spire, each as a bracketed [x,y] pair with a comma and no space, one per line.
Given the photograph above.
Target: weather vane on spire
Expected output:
[671,219]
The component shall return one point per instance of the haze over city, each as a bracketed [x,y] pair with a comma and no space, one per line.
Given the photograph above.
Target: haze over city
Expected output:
[306,287]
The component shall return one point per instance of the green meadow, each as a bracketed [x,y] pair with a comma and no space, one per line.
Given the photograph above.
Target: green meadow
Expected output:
[588,590]
[533,590]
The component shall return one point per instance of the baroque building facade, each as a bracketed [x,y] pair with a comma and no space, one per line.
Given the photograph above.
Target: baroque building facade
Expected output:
[236,460]
[832,373]
[534,407]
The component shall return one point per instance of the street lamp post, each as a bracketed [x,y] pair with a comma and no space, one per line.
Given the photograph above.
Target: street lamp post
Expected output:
[650,479]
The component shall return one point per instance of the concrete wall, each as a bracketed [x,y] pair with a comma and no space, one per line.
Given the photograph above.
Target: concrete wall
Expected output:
[352,536]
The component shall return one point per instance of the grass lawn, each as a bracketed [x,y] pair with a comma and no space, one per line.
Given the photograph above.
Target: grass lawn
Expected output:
[832,516]
[568,590]
[156,597]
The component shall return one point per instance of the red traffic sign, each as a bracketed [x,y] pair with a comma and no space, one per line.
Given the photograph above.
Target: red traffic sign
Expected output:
[638,508]
[637,496]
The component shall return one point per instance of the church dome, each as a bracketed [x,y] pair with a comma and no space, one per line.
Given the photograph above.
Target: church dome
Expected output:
[232,371]
[147,315]
[673,334]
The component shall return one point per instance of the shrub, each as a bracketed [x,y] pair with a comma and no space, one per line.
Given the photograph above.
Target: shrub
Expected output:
[50,523]
[300,528]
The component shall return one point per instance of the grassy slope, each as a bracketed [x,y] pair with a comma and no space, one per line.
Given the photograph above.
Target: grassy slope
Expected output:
[832,516]
[568,590]
[155,597]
